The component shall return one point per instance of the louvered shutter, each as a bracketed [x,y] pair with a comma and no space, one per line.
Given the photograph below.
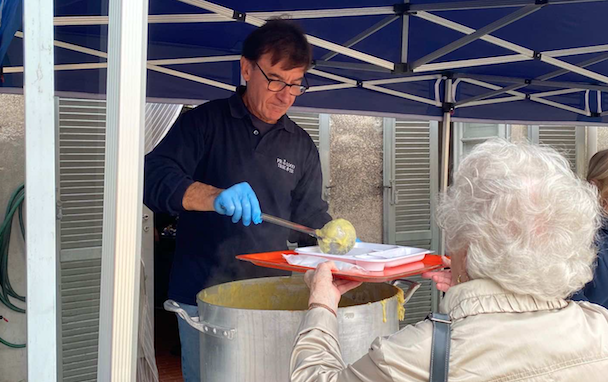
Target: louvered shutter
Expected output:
[81,129]
[568,140]
[309,122]
[411,184]
[469,135]
[80,280]
[81,137]
[317,126]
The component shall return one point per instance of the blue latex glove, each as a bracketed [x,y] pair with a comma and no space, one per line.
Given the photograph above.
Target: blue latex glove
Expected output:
[240,202]
[358,240]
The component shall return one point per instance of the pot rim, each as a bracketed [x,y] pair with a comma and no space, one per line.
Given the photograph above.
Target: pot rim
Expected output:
[200,301]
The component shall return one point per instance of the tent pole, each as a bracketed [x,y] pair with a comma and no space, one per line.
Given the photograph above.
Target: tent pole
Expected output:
[532,97]
[40,196]
[445,149]
[405,35]
[490,94]
[542,83]
[485,4]
[513,47]
[322,88]
[123,190]
[479,33]
[252,20]
[494,101]
[363,35]
[349,65]
[399,80]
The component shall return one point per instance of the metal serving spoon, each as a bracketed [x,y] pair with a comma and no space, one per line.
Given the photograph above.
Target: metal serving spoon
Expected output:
[335,249]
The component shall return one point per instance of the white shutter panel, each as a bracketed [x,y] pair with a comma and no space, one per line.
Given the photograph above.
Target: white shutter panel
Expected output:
[309,122]
[80,286]
[411,184]
[81,174]
[81,132]
[317,126]
[81,167]
[570,141]
[159,117]
[469,135]
[561,138]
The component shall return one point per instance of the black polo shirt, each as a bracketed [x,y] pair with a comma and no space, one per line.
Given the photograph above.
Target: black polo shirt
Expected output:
[217,144]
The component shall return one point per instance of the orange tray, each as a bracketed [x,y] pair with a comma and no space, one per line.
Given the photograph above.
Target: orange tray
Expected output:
[276,260]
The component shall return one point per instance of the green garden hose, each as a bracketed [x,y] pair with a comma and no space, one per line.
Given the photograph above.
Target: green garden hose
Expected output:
[15,204]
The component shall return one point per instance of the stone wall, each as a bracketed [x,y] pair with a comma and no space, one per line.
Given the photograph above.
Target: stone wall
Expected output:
[356,173]
[12,174]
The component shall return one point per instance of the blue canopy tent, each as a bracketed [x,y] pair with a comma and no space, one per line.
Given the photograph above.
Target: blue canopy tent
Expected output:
[526,61]
[508,60]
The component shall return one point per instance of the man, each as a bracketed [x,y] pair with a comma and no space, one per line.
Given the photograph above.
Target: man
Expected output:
[237,157]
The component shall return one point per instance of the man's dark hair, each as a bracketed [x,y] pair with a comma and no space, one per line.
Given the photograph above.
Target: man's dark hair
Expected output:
[284,40]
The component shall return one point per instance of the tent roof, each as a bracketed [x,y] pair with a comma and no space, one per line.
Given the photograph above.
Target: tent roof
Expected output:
[538,28]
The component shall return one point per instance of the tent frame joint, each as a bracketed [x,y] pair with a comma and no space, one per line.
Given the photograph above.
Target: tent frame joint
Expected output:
[239,16]
[448,107]
[537,55]
[541,2]
[595,114]
[359,84]
[402,67]
[403,9]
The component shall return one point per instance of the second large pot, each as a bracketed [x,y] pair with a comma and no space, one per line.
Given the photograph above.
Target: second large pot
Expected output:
[248,327]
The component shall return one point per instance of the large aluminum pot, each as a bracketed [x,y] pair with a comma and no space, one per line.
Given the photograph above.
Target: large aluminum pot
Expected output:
[248,327]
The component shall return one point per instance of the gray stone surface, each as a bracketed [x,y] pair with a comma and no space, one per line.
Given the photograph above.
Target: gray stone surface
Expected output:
[602,138]
[519,133]
[356,173]
[12,173]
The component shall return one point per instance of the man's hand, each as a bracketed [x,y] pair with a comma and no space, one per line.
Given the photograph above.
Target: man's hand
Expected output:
[240,202]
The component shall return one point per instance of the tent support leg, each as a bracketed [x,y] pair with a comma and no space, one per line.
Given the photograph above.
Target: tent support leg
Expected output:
[123,191]
[40,197]
[445,150]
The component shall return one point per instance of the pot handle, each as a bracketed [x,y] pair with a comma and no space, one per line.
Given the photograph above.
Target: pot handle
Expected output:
[196,323]
[408,286]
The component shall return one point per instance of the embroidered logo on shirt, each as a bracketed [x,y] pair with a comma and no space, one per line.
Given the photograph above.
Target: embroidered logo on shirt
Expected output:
[284,165]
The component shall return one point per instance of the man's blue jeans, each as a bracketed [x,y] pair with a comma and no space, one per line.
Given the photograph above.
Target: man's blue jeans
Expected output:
[189,338]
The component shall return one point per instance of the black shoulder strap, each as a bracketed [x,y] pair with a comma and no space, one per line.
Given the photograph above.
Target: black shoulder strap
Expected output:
[440,348]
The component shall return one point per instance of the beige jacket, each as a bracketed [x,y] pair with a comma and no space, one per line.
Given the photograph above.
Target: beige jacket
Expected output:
[496,336]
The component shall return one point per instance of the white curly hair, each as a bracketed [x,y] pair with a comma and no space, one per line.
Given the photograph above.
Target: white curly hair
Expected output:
[524,218]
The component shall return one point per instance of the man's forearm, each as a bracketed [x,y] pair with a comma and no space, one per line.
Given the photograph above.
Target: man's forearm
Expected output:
[200,197]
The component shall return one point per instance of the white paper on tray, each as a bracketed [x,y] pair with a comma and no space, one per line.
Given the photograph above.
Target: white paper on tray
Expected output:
[314,261]
[371,256]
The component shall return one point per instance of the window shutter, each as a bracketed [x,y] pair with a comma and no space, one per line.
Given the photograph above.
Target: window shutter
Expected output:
[317,126]
[411,184]
[81,129]
[309,122]
[81,136]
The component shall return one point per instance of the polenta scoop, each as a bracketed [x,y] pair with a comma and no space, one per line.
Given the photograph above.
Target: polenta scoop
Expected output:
[336,237]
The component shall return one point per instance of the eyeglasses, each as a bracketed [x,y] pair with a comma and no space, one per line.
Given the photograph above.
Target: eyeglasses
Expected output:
[278,85]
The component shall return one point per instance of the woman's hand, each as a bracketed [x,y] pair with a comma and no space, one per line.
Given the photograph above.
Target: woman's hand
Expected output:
[324,289]
[443,279]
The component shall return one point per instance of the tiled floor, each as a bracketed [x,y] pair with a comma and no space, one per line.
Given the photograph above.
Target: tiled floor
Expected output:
[166,339]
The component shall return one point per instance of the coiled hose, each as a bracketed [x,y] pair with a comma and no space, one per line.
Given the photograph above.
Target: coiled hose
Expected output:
[15,205]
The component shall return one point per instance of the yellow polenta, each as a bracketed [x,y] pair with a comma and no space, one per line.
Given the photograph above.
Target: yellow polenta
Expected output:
[340,233]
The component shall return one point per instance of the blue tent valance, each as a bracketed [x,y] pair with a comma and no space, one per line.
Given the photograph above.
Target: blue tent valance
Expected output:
[506,60]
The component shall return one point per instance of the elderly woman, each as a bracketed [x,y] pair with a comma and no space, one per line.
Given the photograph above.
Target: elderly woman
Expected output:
[596,291]
[519,226]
